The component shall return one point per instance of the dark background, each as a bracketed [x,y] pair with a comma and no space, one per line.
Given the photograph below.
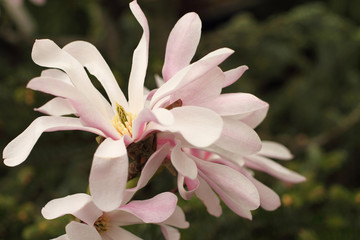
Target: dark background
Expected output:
[303,59]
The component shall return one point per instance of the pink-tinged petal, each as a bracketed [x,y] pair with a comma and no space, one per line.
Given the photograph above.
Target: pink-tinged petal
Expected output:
[186,194]
[170,233]
[273,168]
[57,74]
[47,54]
[229,184]
[139,62]
[160,115]
[115,233]
[121,218]
[269,200]
[199,126]
[209,198]
[236,105]
[275,150]
[90,57]
[183,163]
[154,210]
[233,75]
[81,231]
[256,117]
[239,138]
[79,205]
[159,81]
[177,219]
[202,90]
[191,73]
[19,149]
[57,107]
[108,175]
[150,168]
[181,45]
[89,114]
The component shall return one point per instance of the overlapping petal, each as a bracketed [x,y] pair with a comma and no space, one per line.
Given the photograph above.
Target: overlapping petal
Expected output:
[80,231]
[108,175]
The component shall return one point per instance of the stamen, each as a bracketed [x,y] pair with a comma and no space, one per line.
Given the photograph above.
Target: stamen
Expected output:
[122,121]
[102,224]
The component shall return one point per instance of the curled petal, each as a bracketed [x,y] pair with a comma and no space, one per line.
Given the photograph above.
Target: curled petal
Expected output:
[275,150]
[154,210]
[79,205]
[139,62]
[183,163]
[57,107]
[19,149]
[187,195]
[233,75]
[108,175]
[57,74]
[81,231]
[182,44]
[273,168]
[177,219]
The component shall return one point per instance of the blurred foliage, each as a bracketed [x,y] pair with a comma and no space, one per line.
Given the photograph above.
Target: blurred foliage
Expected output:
[303,58]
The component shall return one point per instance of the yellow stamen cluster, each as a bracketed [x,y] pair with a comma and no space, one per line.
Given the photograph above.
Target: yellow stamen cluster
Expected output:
[122,121]
[102,224]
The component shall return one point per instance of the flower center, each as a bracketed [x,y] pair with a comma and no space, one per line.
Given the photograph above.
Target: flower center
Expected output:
[122,121]
[102,224]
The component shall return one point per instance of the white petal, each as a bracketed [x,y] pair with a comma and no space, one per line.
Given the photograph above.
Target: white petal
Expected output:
[57,107]
[90,57]
[275,150]
[182,163]
[273,168]
[46,53]
[115,233]
[233,75]
[79,205]
[81,231]
[108,175]
[209,198]
[177,219]
[238,137]
[186,194]
[139,63]
[57,74]
[170,233]
[181,45]
[19,149]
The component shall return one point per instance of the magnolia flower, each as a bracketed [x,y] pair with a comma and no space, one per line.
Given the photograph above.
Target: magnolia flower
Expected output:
[96,224]
[120,122]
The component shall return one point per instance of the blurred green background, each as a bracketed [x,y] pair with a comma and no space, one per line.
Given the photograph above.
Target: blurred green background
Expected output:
[304,60]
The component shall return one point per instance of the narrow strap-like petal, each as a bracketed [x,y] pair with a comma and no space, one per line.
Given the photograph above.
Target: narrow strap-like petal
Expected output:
[154,210]
[170,233]
[139,62]
[275,150]
[79,205]
[46,53]
[57,106]
[90,57]
[186,194]
[209,198]
[233,75]
[108,175]
[19,149]
[117,233]
[273,168]
[181,45]
[177,219]
[90,115]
